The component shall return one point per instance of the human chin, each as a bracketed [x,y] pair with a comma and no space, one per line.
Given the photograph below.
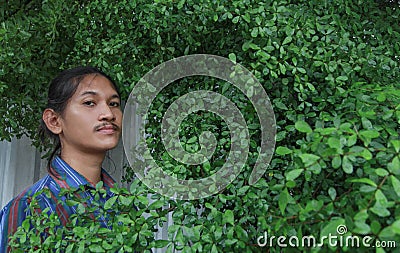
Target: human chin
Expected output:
[109,142]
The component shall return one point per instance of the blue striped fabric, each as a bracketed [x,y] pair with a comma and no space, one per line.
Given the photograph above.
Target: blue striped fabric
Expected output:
[61,176]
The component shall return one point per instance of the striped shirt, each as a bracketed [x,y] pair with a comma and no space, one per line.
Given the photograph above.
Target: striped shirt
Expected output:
[61,176]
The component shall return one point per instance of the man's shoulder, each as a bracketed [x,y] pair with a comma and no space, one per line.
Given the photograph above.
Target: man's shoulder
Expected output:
[21,201]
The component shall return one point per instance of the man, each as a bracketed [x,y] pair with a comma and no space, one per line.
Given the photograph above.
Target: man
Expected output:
[83,118]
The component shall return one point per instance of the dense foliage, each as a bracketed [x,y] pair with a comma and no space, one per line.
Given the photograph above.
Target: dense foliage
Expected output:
[330,68]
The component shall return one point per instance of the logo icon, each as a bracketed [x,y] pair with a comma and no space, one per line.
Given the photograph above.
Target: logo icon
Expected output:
[136,112]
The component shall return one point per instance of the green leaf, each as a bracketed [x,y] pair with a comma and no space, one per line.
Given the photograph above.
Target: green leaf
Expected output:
[287,40]
[241,233]
[387,232]
[69,248]
[332,193]
[333,227]
[369,133]
[280,105]
[381,97]
[351,140]
[301,70]
[303,127]
[110,203]
[159,40]
[143,199]
[336,162]
[394,166]
[282,68]
[283,200]
[161,243]
[381,203]
[361,216]
[242,190]
[293,174]
[334,142]
[396,184]
[96,248]
[396,145]
[228,217]
[396,227]
[156,204]
[232,57]
[347,166]
[366,154]
[342,78]
[309,159]
[254,32]
[80,209]
[192,140]
[363,180]
[381,172]
[81,247]
[361,227]
[214,249]
[283,150]
[215,17]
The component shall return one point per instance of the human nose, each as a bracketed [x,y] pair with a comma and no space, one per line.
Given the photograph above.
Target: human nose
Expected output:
[106,113]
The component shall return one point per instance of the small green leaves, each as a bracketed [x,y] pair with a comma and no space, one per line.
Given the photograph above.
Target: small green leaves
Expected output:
[330,70]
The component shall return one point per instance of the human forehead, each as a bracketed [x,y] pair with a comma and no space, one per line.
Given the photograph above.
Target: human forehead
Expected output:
[96,83]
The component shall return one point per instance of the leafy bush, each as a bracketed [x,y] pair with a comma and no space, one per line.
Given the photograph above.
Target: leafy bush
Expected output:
[131,220]
[330,68]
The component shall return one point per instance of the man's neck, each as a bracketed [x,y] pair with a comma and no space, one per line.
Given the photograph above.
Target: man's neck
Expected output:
[88,165]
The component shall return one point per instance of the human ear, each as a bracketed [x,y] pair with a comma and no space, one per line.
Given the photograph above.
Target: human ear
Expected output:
[52,121]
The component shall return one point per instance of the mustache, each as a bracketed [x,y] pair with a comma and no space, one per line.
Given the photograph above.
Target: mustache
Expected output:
[114,126]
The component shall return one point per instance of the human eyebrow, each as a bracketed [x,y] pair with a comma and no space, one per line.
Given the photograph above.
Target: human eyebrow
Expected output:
[115,96]
[89,92]
[94,93]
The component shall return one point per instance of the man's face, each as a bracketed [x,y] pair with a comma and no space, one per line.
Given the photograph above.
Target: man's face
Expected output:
[92,119]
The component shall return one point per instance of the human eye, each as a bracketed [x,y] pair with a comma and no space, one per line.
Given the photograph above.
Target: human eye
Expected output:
[114,104]
[89,103]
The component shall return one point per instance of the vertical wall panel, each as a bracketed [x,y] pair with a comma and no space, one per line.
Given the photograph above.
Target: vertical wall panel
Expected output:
[6,177]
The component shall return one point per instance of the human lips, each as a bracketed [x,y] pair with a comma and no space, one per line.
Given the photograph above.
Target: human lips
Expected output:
[107,128]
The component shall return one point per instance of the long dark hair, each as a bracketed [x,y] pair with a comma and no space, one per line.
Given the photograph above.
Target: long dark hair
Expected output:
[61,89]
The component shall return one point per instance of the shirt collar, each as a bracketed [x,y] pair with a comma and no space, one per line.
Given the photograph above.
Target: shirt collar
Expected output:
[67,177]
